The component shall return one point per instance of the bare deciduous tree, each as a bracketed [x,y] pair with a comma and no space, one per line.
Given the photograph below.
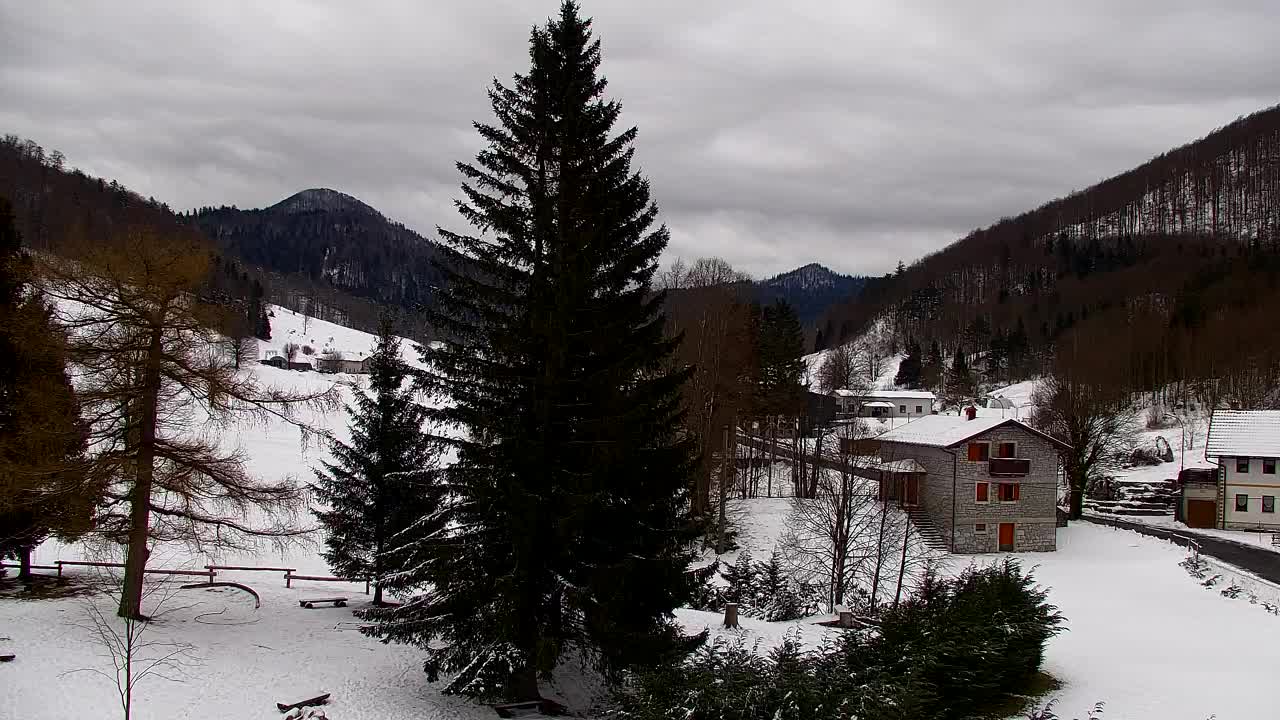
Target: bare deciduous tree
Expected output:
[152,382]
[128,644]
[1095,420]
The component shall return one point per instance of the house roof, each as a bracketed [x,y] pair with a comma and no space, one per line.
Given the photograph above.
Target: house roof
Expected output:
[1244,433]
[888,394]
[344,355]
[946,431]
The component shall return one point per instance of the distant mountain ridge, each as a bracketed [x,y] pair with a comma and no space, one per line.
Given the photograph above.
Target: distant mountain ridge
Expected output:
[322,200]
[810,289]
[330,238]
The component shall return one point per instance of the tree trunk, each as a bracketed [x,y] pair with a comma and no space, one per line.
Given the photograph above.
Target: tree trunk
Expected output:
[1077,504]
[523,684]
[24,563]
[724,496]
[902,563]
[377,595]
[135,563]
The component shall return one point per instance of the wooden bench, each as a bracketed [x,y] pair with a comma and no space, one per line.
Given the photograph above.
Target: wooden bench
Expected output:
[337,602]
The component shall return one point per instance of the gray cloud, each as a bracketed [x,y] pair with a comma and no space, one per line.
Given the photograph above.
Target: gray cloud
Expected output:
[854,134]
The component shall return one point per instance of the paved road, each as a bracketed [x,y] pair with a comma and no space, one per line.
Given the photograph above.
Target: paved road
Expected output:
[1259,561]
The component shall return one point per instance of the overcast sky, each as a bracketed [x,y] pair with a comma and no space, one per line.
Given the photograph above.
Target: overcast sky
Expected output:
[775,132]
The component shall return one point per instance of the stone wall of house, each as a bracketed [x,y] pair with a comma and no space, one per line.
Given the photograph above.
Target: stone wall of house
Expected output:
[1034,514]
[935,490]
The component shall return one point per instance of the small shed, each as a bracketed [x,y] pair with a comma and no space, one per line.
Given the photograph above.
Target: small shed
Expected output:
[1198,497]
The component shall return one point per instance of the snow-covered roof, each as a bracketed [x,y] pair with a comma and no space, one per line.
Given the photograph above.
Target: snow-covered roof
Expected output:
[900,394]
[878,403]
[899,466]
[846,393]
[343,355]
[948,430]
[1244,433]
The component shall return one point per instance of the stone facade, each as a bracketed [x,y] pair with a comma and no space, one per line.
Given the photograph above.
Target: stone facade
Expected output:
[1033,514]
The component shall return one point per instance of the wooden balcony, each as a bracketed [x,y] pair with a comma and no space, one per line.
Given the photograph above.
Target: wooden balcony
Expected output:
[1008,467]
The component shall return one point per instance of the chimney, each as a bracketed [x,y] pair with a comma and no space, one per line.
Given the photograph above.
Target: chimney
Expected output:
[970,412]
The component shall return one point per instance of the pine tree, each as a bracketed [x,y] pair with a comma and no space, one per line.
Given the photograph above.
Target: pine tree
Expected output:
[385,479]
[911,367]
[960,385]
[931,373]
[780,348]
[564,523]
[43,489]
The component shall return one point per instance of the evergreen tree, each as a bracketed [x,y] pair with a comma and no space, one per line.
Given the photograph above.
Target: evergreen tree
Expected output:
[43,490]
[960,384]
[565,522]
[910,369]
[780,349]
[385,479]
[931,373]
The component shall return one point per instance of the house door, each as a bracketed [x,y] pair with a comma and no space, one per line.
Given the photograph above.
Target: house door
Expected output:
[1201,513]
[911,497]
[1006,537]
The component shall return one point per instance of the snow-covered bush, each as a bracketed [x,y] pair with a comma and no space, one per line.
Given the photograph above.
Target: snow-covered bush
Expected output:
[959,647]
[764,590]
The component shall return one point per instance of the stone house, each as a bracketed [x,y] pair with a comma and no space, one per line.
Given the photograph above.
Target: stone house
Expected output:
[1246,446]
[984,484]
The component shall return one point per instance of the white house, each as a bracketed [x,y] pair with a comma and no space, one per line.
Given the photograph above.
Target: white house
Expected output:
[335,361]
[1246,446]
[884,403]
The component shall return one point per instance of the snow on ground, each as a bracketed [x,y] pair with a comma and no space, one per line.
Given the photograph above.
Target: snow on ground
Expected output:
[247,660]
[288,326]
[1243,537]
[1144,636]
[759,634]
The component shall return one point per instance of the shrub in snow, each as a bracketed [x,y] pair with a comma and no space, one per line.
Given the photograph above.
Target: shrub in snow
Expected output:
[761,589]
[308,350]
[957,648]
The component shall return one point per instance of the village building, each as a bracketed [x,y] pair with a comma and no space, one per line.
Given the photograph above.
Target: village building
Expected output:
[336,361]
[1246,446]
[981,484]
[908,404]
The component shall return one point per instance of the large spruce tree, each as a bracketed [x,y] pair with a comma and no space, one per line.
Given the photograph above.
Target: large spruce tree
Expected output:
[382,481]
[564,528]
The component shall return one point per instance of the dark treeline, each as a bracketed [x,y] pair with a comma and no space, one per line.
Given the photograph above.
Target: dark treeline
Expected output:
[1165,272]
[329,239]
[57,208]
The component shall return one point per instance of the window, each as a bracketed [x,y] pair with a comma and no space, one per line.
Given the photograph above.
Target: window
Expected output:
[1242,503]
[1007,450]
[980,528]
[919,409]
[1242,465]
[979,451]
[1268,503]
[1009,492]
[902,409]
[981,495]
[1269,466]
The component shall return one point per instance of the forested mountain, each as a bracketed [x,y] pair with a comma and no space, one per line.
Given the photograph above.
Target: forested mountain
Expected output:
[810,290]
[59,209]
[329,238]
[1168,274]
